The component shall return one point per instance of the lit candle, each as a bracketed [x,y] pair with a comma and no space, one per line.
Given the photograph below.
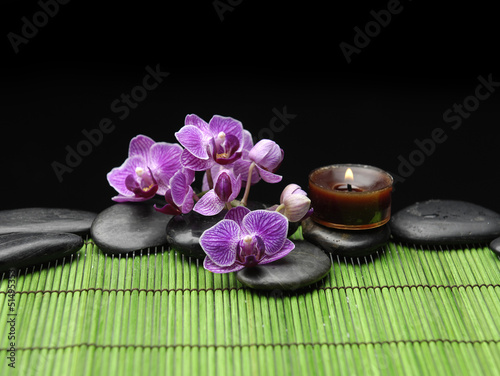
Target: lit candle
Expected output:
[350,196]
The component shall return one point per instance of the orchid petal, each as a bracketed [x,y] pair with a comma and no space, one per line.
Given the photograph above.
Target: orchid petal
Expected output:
[189,174]
[194,163]
[188,203]
[235,188]
[214,268]
[267,176]
[198,122]
[165,160]
[168,209]
[178,188]
[133,198]
[237,214]
[227,125]
[180,193]
[140,146]
[272,227]
[209,204]
[285,250]
[220,242]
[194,140]
[247,142]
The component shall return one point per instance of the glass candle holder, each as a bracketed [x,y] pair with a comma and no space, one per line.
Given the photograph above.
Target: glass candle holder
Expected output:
[350,196]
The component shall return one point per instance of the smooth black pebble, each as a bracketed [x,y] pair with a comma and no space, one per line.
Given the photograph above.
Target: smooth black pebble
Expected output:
[445,222]
[303,266]
[495,246]
[128,227]
[184,231]
[19,250]
[46,220]
[349,243]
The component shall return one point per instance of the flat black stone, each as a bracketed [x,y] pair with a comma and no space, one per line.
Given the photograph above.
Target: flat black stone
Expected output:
[349,243]
[46,220]
[127,227]
[22,249]
[495,246]
[184,231]
[302,267]
[445,222]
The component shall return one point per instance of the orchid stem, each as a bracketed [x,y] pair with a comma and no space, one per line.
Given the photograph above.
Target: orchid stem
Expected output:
[249,183]
[280,207]
[228,206]
[210,180]
[195,197]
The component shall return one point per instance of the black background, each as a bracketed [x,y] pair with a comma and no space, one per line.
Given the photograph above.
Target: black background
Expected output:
[247,62]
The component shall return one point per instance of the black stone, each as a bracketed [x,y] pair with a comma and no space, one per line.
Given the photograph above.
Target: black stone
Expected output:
[46,220]
[22,249]
[495,246]
[128,227]
[184,231]
[305,265]
[349,243]
[445,222]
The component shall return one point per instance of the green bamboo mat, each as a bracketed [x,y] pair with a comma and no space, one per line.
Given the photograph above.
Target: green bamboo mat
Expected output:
[405,310]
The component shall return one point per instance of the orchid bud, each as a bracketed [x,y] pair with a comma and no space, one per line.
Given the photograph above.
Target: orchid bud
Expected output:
[294,203]
[223,186]
[296,207]
[266,154]
[291,189]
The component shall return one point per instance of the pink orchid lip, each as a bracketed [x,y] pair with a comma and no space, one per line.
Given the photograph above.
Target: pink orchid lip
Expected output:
[226,149]
[250,251]
[147,186]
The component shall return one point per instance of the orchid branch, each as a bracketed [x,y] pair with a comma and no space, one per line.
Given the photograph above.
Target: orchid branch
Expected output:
[210,180]
[249,183]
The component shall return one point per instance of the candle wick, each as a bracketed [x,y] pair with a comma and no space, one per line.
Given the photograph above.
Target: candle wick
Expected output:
[349,187]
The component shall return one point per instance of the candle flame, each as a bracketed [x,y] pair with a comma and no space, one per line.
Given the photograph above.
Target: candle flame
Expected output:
[349,175]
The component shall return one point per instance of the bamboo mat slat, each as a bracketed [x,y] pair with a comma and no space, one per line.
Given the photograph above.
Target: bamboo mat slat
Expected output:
[405,310]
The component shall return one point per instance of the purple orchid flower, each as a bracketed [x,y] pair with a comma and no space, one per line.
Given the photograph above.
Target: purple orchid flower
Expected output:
[180,195]
[146,171]
[218,142]
[267,156]
[245,238]
[226,189]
